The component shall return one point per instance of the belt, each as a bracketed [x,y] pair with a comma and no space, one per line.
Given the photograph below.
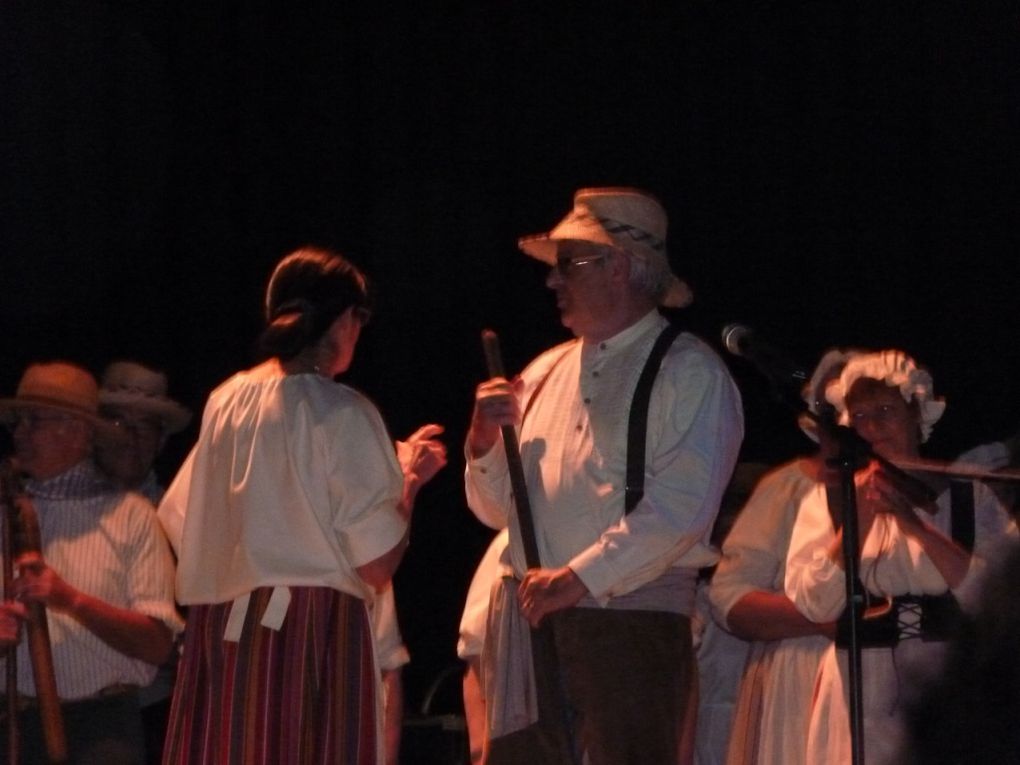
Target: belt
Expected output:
[110,691]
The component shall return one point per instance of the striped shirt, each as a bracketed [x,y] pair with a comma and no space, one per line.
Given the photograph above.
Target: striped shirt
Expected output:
[106,543]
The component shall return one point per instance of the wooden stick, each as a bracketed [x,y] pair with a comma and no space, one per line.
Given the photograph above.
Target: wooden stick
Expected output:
[7,481]
[39,649]
[552,706]
[494,360]
[959,470]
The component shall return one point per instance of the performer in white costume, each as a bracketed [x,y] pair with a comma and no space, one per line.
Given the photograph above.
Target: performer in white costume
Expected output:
[920,562]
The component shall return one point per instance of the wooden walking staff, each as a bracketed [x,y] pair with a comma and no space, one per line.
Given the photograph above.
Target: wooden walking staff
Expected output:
[21,539]
[552,707]
[11,653]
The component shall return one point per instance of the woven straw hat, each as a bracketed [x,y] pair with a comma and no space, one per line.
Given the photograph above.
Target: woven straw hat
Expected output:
[60,386]
[135,386]
[628,219]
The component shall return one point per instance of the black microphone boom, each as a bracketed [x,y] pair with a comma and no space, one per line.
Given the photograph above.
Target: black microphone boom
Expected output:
[769,360]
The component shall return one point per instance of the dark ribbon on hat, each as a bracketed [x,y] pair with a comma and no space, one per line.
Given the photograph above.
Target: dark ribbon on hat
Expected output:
[636,234]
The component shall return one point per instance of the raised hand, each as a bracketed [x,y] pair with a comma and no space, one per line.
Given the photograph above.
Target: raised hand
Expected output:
[421,456]
[496,405]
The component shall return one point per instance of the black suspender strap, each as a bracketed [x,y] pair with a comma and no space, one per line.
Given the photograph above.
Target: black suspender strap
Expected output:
[637,425]
[961,509]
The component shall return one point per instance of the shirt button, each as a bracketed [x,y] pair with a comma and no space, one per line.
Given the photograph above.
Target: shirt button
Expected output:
[602,346]
[594,374]
[587,401]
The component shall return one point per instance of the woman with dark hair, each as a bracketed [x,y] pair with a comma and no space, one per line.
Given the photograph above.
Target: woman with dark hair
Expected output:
[289,515]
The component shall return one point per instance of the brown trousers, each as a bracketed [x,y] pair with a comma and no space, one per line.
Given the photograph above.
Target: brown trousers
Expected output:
[627,677]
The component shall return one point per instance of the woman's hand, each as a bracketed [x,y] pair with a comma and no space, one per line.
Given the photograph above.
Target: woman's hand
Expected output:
[421,456]
[878,493]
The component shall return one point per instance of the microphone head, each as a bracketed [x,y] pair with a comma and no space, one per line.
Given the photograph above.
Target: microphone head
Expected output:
[734,338]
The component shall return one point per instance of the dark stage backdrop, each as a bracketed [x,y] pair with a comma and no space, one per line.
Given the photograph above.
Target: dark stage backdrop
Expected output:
[837,173]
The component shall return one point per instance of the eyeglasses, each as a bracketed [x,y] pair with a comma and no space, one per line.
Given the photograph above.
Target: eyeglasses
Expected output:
[565,264]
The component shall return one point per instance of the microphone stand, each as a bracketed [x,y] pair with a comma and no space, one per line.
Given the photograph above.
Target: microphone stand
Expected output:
[852,455]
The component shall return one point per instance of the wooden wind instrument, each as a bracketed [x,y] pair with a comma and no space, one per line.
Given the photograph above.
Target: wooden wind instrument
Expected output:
[11,652]
[27,549]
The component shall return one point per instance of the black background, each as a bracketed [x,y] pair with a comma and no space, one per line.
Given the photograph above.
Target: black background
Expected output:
[836,173]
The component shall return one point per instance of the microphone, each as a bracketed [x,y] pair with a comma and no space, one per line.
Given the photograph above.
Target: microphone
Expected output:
[768,359]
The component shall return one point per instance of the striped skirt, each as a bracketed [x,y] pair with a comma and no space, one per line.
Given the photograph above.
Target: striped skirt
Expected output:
[301,695]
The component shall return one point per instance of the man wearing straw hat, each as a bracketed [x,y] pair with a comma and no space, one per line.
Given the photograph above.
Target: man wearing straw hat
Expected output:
[616,580]
[134,397]
[105,574]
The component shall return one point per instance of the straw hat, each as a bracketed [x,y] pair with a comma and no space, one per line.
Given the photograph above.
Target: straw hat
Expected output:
[135,386]
[60,386]
[628,219]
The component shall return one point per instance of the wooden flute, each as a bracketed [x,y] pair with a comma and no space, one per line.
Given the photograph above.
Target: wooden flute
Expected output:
[25,549]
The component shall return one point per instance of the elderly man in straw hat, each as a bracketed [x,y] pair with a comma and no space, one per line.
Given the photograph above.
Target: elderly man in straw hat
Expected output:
[619,557]
[105,574]
[134,398]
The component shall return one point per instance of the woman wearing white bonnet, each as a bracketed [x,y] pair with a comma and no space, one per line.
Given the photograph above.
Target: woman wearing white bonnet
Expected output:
[897,370]
[918,561]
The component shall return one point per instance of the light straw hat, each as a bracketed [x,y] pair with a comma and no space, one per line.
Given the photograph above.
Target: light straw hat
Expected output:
[628,219]
[62,387]
[135,386]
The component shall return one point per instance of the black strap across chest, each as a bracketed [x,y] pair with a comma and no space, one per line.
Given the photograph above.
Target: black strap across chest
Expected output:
[637,424]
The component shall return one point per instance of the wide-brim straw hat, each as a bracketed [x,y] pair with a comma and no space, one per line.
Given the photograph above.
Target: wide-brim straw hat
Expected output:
[135,386]
[626,218]
[61,387]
